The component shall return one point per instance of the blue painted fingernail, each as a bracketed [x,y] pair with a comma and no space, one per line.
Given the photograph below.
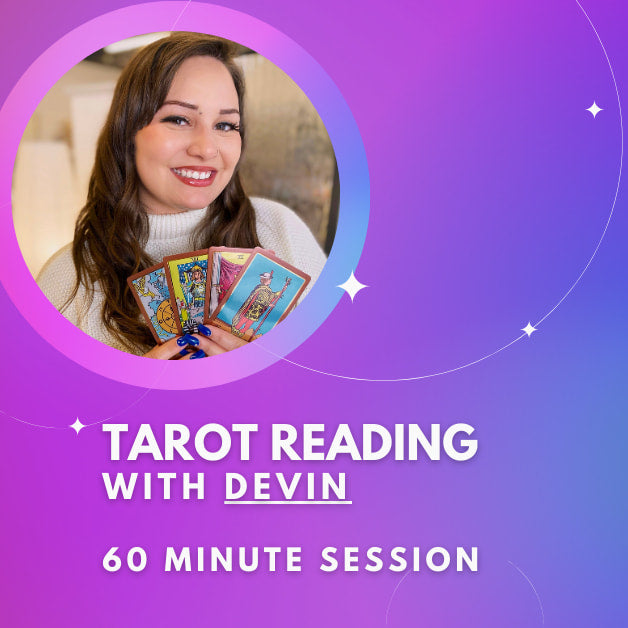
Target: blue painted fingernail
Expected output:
[188,339]
[191,340]
[199,354]
[206,331]
[183,352]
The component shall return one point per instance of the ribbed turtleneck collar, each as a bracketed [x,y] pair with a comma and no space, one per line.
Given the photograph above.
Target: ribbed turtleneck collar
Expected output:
[169,226]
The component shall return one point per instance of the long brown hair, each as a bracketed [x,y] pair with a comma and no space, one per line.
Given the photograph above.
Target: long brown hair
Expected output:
[112,228]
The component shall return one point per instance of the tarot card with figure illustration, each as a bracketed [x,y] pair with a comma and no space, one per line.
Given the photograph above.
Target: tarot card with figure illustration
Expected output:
[225,264]
[187,280]
[262,295]
[150,289]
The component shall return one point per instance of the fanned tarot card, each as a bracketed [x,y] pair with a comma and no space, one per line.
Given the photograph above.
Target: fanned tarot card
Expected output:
[262,295]
[225,264]
[187,280]
[150,289]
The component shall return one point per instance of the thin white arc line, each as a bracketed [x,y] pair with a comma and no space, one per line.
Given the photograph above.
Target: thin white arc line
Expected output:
[65,427]
[180,14]
[398,379]
[394,593]
[553,309]
[69,427]
[46,427]
[621,162]
[533,588]
[513,564]
[472,363]
[318,502]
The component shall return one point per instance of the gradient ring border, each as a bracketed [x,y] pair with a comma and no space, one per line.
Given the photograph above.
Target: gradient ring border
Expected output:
[354,193]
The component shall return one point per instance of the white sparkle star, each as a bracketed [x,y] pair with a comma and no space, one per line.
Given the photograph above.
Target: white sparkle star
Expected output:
[529,329]
[77,426]
[594,109]
[352,286]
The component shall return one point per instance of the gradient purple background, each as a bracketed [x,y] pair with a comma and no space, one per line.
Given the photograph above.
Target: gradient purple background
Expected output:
[491,186]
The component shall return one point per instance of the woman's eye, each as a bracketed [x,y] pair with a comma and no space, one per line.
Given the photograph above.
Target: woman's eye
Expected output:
[176,120]
[228,126]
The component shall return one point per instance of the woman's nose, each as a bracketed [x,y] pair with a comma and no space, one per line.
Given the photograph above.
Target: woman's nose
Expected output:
[203,143]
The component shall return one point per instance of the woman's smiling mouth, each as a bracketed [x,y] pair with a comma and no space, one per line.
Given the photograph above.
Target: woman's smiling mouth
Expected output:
[197,177]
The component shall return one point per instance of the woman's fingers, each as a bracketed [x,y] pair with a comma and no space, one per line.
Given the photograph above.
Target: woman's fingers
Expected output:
[213,341]
[209,341]
[194,353]
[208,346]
[223,338]
[170,349]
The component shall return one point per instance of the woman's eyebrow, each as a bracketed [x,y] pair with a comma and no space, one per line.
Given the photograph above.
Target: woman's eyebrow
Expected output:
[187,105]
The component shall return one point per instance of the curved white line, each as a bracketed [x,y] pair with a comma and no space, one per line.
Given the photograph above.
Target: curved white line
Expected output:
[573,285]
[533,588]
[621,162]
[398,379]
[473,362]
[394,592]
[180,14]
[66,427]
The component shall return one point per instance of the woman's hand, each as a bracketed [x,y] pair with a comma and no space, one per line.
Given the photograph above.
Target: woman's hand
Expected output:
[171,349]
[212,341]
[209,341]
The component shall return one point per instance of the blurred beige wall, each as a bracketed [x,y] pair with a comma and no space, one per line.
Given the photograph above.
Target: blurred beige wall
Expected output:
[289,157]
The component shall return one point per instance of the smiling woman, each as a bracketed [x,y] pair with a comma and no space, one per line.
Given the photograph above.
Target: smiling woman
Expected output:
[194,137]
[165,181]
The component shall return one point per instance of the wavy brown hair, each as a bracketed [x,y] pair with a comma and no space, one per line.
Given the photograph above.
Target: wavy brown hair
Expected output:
[112,228]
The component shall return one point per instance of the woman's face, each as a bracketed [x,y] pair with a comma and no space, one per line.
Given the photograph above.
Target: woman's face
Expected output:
[187,154]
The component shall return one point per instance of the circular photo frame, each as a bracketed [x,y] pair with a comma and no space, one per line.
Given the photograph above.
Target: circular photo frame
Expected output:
[353,194]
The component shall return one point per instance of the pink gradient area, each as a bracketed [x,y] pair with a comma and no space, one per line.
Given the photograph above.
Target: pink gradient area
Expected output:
[14,116]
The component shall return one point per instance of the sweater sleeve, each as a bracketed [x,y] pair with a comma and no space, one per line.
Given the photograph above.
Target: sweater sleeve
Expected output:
[56,280]
[281,230]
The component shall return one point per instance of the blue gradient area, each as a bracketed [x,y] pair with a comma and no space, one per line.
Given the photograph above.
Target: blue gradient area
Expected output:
[491,185]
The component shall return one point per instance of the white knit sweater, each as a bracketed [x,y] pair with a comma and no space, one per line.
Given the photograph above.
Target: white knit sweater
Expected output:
[278,229]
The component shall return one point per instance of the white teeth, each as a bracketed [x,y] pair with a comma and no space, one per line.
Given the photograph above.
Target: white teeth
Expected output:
[192,174]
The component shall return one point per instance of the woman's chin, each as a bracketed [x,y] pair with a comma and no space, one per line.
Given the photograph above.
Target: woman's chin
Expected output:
[194,204]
